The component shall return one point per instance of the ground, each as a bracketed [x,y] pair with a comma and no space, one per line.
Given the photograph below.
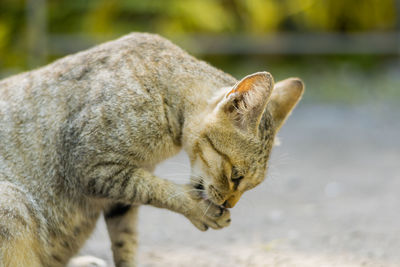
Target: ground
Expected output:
[331,198]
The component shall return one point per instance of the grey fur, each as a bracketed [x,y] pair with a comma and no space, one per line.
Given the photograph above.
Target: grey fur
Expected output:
[84,133]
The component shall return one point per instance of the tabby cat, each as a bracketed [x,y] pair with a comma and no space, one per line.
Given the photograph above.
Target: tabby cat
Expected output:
[82,136]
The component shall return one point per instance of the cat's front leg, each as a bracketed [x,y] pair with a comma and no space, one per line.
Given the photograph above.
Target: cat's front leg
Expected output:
[138,186]
[180,198]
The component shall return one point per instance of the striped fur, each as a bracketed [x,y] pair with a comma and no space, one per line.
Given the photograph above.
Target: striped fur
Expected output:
[83,134]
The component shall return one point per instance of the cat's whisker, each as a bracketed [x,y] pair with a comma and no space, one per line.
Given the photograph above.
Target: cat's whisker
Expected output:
[189,175]
[175,174]
[183,179]
[205,212]
[272,178]
[281,159]
[184,192]
[274,172]
[176,195]
[176,179]
[177,163]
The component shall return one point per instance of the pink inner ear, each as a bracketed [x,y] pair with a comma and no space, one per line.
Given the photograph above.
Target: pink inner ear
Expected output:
[245,85]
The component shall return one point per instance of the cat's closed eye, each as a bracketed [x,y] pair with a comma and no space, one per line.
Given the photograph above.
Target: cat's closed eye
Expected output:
[236,181]
[236,178]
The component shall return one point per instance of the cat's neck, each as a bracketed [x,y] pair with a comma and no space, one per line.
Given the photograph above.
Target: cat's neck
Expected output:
[190,93]
[196,88]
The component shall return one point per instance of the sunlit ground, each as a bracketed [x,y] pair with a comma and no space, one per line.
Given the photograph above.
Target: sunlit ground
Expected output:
[331,194]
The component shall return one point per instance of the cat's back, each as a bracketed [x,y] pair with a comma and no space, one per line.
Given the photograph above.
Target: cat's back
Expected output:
[36,106]
[142,50]
[132,46]
[137,73]
[135,60]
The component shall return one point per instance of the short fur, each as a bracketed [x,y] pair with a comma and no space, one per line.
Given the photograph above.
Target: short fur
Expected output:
[83,135]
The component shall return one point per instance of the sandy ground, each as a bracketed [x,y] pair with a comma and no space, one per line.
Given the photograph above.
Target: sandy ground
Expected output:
[331,198]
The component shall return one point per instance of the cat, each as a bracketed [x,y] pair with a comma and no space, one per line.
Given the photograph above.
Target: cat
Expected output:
[82,136]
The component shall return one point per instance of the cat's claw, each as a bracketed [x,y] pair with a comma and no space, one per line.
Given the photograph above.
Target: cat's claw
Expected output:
[206,214]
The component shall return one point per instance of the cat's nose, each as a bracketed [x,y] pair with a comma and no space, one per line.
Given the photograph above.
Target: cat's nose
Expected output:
[231,202]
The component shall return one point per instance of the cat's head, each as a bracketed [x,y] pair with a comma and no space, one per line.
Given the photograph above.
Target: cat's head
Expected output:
[230,144]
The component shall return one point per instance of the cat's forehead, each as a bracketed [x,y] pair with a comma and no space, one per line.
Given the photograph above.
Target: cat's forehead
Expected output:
[244,150]
[246,140]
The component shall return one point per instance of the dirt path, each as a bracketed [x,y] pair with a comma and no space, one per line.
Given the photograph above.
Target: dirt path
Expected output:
[332,198]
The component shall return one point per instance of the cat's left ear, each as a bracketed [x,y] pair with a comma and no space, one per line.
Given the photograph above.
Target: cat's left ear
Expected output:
[284,97]
[245,102]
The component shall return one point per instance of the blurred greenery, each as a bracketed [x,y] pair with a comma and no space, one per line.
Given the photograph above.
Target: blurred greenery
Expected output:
[352,80]
[330,78]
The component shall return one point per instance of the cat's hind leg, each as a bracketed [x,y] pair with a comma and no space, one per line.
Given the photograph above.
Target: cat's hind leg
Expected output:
[19,244]
[121,224]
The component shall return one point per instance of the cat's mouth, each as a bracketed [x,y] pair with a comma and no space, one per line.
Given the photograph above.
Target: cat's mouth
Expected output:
[200,190]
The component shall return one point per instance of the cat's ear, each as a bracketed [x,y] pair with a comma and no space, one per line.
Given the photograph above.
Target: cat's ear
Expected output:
[285,95]
[245,102]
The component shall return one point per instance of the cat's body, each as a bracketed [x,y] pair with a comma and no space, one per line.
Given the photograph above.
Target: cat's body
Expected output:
[83,134]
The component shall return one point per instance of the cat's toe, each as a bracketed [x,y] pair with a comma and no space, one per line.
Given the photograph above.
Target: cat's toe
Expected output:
[208,215]
[200,225]
[219,217]
[220,211]
[215,211]
[224,219]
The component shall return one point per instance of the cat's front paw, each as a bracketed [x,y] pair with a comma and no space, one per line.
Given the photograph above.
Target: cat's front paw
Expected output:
[205,214]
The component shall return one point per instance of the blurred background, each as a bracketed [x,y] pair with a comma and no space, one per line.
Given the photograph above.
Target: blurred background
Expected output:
[332,44]
[331,197]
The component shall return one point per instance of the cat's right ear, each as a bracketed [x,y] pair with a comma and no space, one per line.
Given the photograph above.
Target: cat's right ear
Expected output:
[245,102]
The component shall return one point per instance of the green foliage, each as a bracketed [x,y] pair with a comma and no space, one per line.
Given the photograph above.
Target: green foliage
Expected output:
[343,15]
[329,79]
[171,18]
